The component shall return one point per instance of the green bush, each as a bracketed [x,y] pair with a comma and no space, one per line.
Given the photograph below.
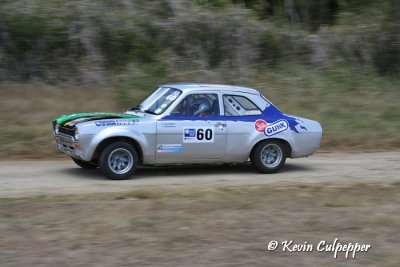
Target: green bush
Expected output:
[270,48]
[219,38]
[122,45]
[214,3]
[387,48]
[28,31]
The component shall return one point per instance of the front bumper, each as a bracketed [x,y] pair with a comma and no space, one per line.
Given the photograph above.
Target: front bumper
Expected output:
[69,146]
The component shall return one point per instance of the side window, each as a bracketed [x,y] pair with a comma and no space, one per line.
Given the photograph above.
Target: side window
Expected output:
[197,105]
[235,105]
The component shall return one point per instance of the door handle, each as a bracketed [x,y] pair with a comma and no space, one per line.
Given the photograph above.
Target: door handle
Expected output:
[220,125]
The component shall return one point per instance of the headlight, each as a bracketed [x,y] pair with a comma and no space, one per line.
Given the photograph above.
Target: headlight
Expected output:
[76,135]
[56,129]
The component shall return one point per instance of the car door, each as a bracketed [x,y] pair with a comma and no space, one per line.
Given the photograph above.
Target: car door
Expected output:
[244,125]
[193,132]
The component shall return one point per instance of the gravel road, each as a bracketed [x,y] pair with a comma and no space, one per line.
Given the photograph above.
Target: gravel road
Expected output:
[28,178]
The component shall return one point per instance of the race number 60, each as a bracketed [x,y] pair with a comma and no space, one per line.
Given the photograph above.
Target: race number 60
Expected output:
[198,135]
[204,134]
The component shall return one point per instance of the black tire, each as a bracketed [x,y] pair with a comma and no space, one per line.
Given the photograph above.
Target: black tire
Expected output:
[84,164]
[118,161]
[269,156]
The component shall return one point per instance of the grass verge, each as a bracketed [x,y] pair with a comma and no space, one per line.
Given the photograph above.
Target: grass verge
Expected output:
[357,110]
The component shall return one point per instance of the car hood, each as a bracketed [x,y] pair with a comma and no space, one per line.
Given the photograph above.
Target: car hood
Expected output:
[75,118]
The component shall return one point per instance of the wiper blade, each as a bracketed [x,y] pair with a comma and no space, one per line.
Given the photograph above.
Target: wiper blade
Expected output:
[150,112]
[145,111]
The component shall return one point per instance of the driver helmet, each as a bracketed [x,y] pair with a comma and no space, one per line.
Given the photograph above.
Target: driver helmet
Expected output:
[199,106]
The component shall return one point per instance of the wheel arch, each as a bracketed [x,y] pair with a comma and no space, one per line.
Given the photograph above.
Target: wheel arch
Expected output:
[283,141]
[103,144]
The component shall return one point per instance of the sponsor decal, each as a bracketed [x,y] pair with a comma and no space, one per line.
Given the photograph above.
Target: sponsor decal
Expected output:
[198,135]
[69,117]
[168,124]
[260,125]
[276,127]
[169,148]
[190,133]
[123,122]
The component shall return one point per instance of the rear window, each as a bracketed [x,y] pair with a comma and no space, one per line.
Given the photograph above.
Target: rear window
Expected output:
[235,105]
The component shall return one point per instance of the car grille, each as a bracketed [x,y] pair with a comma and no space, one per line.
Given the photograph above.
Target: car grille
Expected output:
[66,131]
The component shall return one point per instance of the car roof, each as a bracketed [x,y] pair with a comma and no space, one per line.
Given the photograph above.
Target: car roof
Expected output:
[203,86]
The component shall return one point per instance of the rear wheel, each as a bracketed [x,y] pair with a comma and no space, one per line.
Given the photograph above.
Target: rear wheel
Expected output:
[84,164]
[118,161]
[269,156]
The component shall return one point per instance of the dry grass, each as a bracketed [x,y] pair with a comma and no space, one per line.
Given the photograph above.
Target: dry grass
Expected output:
[217,227]
[27,112]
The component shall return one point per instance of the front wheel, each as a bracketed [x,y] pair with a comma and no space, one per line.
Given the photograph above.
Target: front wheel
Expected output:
[84,164]
[118,161]
[269,156]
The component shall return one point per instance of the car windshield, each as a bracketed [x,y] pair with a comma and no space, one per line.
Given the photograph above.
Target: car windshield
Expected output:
[160,100]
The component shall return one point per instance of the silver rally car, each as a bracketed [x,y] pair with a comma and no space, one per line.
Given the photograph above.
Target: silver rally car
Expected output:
[188,123]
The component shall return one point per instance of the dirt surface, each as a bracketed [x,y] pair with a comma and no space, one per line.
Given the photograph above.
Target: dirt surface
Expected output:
[52,213]
[28,178]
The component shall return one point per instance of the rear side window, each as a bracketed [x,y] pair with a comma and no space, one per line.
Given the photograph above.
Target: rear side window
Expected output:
[235,105]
